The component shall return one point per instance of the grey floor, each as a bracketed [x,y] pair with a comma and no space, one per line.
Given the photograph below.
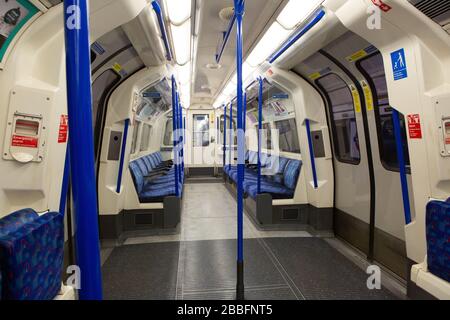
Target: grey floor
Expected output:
[200,261]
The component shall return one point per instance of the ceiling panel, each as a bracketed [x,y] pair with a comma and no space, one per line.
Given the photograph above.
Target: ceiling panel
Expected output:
[258,14]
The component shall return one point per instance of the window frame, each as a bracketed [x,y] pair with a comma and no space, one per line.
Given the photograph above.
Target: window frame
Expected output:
[296,131]
[147,145]
[135,138]
[332,120]
[163,145]
[376,107]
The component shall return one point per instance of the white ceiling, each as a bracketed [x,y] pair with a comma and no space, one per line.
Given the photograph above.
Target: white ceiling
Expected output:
[258,16]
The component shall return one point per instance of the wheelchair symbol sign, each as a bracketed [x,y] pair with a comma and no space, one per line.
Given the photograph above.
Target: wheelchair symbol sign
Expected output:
[399,67]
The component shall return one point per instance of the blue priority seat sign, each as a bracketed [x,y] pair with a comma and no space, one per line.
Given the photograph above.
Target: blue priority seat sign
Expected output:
[399,68]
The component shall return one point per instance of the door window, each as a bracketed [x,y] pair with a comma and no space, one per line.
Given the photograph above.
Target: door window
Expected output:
[201,130]
[343,119]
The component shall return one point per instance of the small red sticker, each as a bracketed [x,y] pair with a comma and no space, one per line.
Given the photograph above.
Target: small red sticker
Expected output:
[63,129]
[383,6]
[414,127]
[24,141]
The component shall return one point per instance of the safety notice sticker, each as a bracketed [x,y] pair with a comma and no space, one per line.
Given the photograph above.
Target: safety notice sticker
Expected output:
[399,67]
[414,126]
[63,129]
[24,141]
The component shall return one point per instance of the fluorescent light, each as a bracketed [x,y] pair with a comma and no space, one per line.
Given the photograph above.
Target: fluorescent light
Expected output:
[182,42]
[230,89]
[271,40]
[178,10]
[247,71]
[184,73]
[296,11]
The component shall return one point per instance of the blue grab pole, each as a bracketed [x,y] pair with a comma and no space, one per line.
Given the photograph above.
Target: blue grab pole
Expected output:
[81,145]
[244,120]
[231,137]
[224,136]
[122,155]
[239,12]
[174,139]
[260,101]
[311,153]
[180,118]
[402,165]
[65,184]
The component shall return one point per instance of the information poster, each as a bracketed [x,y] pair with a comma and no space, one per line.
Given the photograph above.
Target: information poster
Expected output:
[13,15]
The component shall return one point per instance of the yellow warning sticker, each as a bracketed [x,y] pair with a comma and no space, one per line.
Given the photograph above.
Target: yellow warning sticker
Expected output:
[368,95]
[356,100]
[356,56]
[315,76]
[117,67]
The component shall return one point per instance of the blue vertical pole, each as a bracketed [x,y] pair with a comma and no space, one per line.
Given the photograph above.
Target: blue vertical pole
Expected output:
[65,184]
[239,12]
[81,144]
[224,136]
[180,118]
[402,165]
[244,121]
[311,153]
[174,138]
[122,155]
[260,101]
[230,160]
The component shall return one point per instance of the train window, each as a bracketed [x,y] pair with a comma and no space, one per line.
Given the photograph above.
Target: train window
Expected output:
[372,68]
[343,119]
[135,137]
[145,137]
[266,136]
[167,141]
[288,135]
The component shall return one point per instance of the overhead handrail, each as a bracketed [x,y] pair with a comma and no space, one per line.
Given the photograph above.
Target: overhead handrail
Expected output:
[296,36]
[402,165]
[162,27]
[227,34]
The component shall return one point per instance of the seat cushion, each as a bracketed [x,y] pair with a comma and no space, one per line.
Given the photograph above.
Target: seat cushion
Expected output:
[15,220]
[291,173]
[438,238]
[277,191]
[32,259]
[156,193]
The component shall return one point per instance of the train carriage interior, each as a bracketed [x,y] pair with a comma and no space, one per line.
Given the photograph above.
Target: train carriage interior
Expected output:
[225,149]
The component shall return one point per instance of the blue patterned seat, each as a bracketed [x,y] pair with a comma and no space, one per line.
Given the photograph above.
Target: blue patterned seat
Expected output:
[438,238]
[153,178]
[15,220]
[279,186]
[31,258]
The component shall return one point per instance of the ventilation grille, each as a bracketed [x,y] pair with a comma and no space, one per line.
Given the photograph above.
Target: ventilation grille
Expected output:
[289,214]
[437,10]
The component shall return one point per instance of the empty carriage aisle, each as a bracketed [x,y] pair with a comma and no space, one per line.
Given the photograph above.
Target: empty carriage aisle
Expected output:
[199,263]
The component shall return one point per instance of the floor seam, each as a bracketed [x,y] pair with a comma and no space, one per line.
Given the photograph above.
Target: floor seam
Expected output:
[284,274]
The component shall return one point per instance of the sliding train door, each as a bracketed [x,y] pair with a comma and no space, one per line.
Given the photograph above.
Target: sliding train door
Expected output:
[201,124]
[369,209]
